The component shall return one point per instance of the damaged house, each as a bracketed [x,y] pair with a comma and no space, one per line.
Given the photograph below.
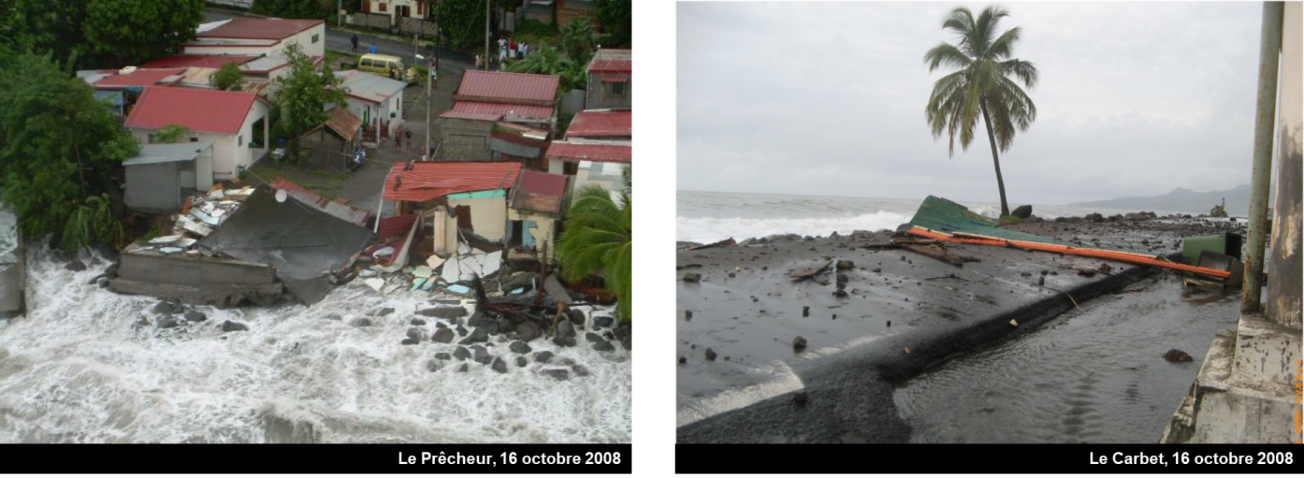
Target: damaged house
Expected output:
[535,209]
[596,149]
[499,116]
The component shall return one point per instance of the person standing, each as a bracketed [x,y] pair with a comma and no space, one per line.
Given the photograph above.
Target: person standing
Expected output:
[524,49]
[374,50]
[511,49]
[502,50]
[355,43]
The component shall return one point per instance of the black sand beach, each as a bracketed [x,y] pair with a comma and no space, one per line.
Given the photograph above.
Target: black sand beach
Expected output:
[839,387]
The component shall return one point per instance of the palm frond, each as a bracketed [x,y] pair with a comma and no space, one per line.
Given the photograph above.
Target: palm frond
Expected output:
[946,54]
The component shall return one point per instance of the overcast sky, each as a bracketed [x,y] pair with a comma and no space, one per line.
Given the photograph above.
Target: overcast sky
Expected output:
[1134,99]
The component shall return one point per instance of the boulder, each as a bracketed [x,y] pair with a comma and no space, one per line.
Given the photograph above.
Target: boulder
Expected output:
[481,354]
[166,308]
[461,331]
[579,370]
[417,322]
[522,361]
[229,326]
[463,368]
[433,365]
[799,344]
[527,331]
[602,345]
[844,265]
[196,316]
[499,365]
[167,323]
[710,354]
[360,322]
[543,357]
[443,336]
[576,316]
[462,353]
[444,356]
[481,334]
[75,265]
[444,312]
[627,342]
[693,277]
[519,347]
[1094,217]
[1022,212]
[1175,356]
[565,335]
[556,373]
[415,333]
[383,312]
[410,341]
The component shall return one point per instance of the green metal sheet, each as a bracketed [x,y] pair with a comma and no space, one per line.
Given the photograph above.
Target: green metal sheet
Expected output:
[492,193]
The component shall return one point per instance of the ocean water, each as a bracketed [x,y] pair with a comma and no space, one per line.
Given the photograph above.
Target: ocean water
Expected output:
[713,216]
[75,369]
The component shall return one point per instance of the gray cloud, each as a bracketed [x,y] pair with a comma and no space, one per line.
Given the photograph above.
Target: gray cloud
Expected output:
[828,98]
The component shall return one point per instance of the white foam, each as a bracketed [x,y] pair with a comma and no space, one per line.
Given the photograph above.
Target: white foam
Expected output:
[76,370]
[710,229]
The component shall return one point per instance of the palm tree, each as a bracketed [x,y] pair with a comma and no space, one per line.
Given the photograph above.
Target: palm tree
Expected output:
[598,240]
[982,85]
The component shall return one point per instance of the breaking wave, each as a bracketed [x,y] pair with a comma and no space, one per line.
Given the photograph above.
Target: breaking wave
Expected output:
[710,229]
[75,369]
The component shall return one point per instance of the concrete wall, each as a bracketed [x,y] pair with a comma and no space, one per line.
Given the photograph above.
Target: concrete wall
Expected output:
[1283,261]
[224,150]
[464,139]
[543,233]
[155,187]
[573,101]
[412,26]
[600,94]
[488,216]
[193,271]
[305,40]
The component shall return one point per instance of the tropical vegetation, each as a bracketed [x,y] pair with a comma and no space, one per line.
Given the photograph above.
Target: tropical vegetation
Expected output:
[99,33]
[228,77]
[598,240]
[306,95]
[982,85]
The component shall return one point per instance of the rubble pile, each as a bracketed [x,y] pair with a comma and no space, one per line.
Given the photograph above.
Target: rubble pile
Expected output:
[201,215]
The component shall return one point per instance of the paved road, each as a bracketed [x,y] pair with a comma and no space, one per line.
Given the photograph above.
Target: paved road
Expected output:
[450,61]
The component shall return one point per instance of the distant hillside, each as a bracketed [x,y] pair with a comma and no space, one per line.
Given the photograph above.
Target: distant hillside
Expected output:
[1182,200]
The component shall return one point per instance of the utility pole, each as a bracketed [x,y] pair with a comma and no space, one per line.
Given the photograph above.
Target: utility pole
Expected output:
[339,17]
[486,35]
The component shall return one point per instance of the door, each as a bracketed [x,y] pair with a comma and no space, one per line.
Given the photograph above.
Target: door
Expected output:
[463,217]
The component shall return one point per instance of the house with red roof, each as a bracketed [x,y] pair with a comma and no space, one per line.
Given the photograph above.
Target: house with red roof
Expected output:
[597,148]
[256,37]
[500,116]
[534,208]
[226,118]
[457,200]
[610,73]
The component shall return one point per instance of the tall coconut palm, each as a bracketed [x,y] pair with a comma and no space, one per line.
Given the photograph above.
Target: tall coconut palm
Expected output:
[982,85]
[598,240]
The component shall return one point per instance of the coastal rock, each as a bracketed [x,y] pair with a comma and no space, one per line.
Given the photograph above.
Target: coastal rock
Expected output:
[166,308]
[462,353]
[443,336]
[444,356]
[800,398]
[710,354]
[441,325]
[196,316]
[383,311]
[799,344]
[461,331]
[576,316]
[481,319]
[565,335]
[522,361]
[415,334]
[844,265]
[1175,356]
[602,321]
[579,370]
[842,279]
[480,334]
[410,341]
[481,354]
[557,373]
[433,365]
[75,266]
[499,365]
[805,311]
[444,312]
[335,317]
[627,342]
[602,345]
[519,347]
[683,360]
[543,357]
[229,326]
[360,322]
[592,337]
[1094,217]
[527,331]
[693,277]
[167,323]
[504,326]
[417,322]
[1022,212]
[463,368]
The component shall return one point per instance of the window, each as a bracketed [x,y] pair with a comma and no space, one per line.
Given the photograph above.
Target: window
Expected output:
[518,234]
[239,140]
[315,37]
[618,89]
[383,7]
[570,168]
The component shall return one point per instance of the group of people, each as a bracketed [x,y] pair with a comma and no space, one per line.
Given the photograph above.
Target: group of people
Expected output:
[511,49]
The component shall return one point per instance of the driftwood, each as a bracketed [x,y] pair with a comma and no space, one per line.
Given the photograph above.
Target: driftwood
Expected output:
[811,273]
[938,252]
[725,243]
[508,307]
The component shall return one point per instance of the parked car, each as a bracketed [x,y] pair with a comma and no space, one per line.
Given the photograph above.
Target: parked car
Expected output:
[387,65]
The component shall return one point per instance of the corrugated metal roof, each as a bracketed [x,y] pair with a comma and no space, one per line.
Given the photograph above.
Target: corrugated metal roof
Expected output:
[142,77]
[471,116]
[167,153]
[503,109]
[369,87]
[211,111]
[334,208]
[201,61]
[431,180]
[609,60]
[344,123]
[507,87]
[605,153]
[394,226]
[543,192]
[260,28]
[598,124]
[265,64]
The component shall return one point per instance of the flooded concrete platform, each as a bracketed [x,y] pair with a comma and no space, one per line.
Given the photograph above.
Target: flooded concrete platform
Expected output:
[749,392]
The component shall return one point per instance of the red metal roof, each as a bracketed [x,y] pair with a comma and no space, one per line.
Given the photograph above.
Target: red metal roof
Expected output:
[598,124]
[140,77]
[471,116]
[431,180]
[200,61]
[612,61]
[506,87]
[210,111]
[500,109]
[606,153]
[260,28]
[394,226]
[538,191]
